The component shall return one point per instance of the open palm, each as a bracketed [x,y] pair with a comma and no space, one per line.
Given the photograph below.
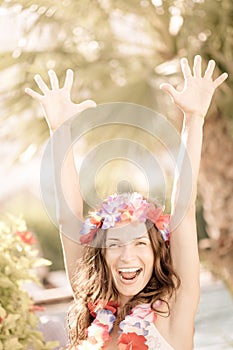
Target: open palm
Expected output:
[56,102]
[198,91]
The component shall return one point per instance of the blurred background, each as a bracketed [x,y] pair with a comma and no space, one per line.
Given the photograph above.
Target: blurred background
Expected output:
[119,51]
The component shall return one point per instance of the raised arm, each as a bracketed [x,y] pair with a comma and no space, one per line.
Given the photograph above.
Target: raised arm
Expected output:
[194,101]
[58,108]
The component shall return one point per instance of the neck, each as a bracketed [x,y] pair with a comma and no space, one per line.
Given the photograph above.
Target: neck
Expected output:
[123,299]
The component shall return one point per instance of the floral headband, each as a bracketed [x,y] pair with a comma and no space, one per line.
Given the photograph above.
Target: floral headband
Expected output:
[124,208]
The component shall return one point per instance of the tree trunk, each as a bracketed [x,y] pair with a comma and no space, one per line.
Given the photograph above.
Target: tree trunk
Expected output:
[216,190]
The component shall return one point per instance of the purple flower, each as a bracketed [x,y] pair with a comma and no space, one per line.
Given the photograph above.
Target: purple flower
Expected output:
[109,220]
[134,324]
[105,317]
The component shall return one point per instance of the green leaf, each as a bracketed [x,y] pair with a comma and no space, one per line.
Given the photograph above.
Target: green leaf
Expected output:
[5,282]
[42,262]
[2,312]
[12,343]
[10,321]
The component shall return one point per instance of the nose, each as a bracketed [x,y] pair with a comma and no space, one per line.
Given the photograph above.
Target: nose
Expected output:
[127,253]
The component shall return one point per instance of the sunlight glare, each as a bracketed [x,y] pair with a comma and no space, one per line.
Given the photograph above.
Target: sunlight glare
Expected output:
[157,3]
[28,154]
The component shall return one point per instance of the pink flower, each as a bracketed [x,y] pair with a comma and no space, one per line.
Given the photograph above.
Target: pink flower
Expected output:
[98,332]
[162,221]
[153,213]
[132,341]
[99,304]
[112,306]
[145,312]
[87,238]
[26,237]
[35,308]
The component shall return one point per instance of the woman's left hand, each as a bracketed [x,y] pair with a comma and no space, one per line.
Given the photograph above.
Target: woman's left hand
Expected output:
[198,90]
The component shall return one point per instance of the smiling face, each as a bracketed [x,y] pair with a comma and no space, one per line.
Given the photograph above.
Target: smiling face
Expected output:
[130,259]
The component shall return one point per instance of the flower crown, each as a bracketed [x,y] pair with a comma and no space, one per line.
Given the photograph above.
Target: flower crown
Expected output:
[124,208]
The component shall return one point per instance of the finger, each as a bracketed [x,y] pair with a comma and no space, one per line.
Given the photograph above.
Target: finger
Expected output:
[53,80]
[170,90]
[40,82]
[185,68]
[69,79]
[87,104]
[197,66]
[220,80]
[210,69]
[33,94]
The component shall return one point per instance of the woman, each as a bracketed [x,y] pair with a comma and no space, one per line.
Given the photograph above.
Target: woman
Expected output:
[157,284]
[128,264]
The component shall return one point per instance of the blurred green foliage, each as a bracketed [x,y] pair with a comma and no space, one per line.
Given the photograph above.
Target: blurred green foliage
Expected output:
[32,211]
[18,257]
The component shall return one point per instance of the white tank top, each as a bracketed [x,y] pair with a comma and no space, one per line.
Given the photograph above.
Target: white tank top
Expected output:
[155,340]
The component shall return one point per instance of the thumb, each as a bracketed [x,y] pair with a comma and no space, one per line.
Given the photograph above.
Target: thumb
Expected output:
[170,90]
[86,104]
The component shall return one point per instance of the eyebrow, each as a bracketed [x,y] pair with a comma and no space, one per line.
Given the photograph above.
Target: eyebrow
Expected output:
[113,239]
[135,239]
[142,237]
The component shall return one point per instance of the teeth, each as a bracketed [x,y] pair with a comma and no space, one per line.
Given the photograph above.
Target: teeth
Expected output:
[132,269]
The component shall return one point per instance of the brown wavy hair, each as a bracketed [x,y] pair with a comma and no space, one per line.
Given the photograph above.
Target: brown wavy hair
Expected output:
[93,281]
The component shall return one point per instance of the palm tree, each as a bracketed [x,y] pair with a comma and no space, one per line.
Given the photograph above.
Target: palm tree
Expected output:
[208,29]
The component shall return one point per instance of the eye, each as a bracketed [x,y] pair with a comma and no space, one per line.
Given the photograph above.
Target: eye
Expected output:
[112,245]
[141,242]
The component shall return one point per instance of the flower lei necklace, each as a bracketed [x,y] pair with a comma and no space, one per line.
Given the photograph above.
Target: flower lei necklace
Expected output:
[136,329]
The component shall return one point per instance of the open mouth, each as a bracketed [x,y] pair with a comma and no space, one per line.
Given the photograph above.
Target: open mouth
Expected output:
[129,273]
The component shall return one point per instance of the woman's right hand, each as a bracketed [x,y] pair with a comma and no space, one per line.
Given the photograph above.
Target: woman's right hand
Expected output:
[56,103]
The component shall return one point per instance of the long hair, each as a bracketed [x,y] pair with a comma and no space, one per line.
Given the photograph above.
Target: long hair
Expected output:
[93,281]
